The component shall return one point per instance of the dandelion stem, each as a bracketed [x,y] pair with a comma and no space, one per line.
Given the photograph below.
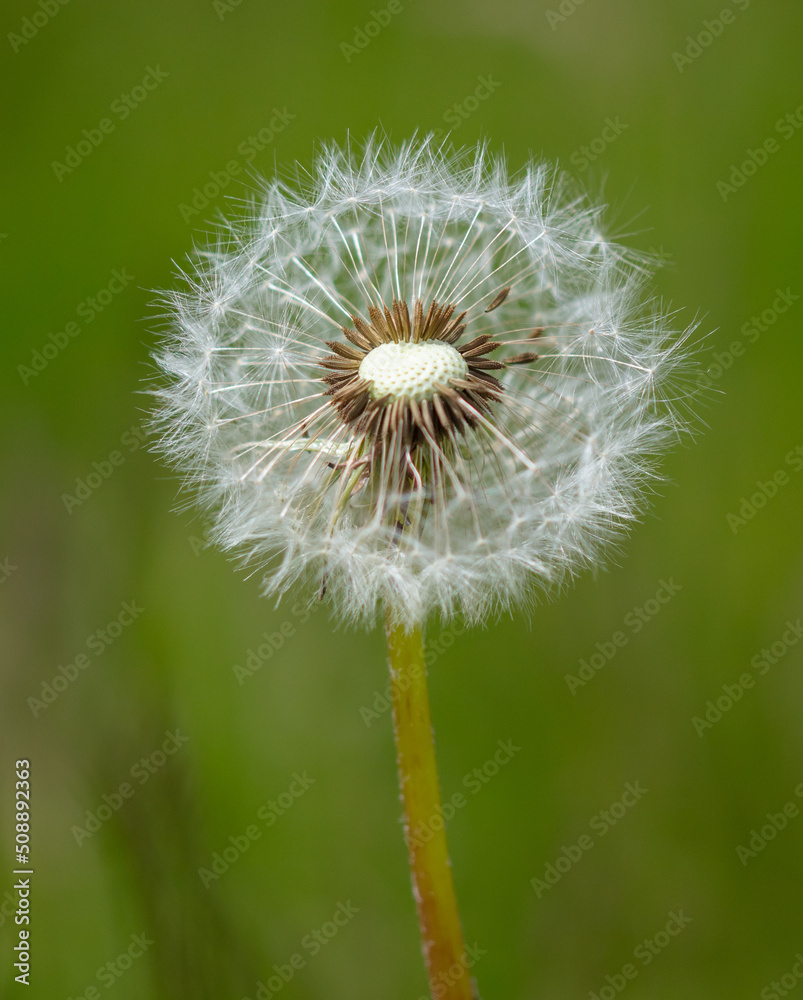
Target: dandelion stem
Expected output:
[430,867]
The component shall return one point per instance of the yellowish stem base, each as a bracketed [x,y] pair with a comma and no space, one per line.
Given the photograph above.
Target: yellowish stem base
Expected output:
[442,937]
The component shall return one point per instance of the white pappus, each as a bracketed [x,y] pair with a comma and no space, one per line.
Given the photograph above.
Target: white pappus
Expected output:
[416,384]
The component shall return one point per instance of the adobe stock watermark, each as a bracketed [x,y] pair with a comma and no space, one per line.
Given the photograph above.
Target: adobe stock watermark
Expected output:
[86,312]
[109,973]
[363,36]
[473,782]
[31,25]
[600,825]
[310,946]
[7,569]
[751,331]
[766,490]
[96,644]
[101,471]
[583,157]
[141,773]
[120,109]
[444,981]
[760,664]
[382,701]
[712,29]
[224,7]
[21,951]
[644,954]
[786,127]
[198,545]
[258,656]
[455,115]
[565,10]
[760,837]
[660,255]
[634,621]
[267,815]
[782,987]
[247,150]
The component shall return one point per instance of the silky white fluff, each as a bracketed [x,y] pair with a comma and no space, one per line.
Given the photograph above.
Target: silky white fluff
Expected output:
[532,494]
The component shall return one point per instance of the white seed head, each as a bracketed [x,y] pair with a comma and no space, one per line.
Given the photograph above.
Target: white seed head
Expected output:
[418,385]
[411,371]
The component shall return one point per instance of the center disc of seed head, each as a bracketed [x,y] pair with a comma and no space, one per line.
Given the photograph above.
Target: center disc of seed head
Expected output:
[411,371]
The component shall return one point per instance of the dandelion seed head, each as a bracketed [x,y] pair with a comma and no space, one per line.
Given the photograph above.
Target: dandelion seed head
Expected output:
[416,384]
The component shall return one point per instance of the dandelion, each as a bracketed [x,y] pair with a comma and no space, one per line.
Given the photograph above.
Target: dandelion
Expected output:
[414,385]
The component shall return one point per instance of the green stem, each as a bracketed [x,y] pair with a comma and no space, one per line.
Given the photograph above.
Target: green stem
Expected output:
[430,867]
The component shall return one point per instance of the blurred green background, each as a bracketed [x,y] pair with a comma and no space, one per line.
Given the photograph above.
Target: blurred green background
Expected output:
[128,912]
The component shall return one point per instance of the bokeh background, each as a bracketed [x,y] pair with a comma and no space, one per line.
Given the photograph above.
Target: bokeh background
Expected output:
[118,574]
